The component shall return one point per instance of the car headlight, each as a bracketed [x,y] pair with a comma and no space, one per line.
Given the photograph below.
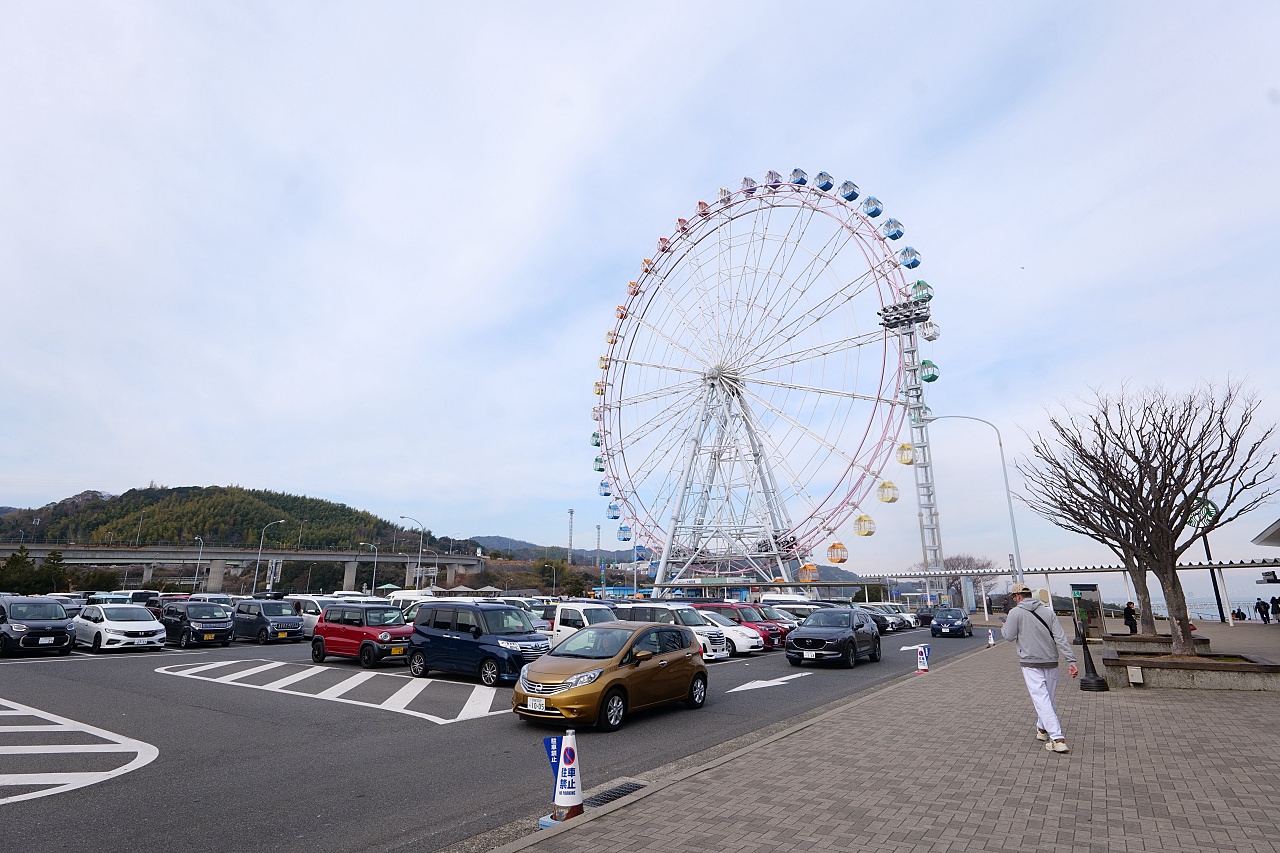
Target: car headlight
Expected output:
[274,626]
[18,629]
[384,637]
[115,631]
[197,626]
[510,644]
[582,678]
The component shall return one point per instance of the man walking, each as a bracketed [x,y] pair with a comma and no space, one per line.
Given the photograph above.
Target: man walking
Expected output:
[1264,611]
[1036,630]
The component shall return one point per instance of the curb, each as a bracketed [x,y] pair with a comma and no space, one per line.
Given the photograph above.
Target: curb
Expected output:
[545,834]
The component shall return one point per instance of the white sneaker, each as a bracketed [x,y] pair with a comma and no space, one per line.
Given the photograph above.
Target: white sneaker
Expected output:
[1041,734]
[1057,746]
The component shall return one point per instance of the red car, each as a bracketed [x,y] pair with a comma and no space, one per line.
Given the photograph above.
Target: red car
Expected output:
[370,632]
[746,614]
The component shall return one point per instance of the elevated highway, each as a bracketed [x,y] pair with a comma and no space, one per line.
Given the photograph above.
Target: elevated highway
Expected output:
[219,557]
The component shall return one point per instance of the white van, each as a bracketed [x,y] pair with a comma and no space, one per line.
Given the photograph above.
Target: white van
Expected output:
[715,646]
[309,607]
[402,598]
[573,616]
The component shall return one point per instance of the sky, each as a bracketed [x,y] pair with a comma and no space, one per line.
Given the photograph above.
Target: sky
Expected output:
[367,252]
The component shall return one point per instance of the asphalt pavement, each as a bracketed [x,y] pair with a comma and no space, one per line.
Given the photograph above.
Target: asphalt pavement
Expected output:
[255,747]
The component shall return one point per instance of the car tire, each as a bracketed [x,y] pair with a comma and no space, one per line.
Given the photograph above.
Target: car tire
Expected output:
[367,657]
[418,665]
[184,639]
[317,650]
[795,661]
[263,637]
[728,644]
[4,646]
[875,655]
[613,710]
[296,640]
[96,645]
[65,651]
[850,659]
[697,692]
[489,672]
[226,642]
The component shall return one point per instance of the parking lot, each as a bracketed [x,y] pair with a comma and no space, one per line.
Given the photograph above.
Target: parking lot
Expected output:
[257,746]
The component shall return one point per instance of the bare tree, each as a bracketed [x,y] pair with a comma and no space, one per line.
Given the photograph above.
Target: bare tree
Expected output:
[958,566]
[1130,474]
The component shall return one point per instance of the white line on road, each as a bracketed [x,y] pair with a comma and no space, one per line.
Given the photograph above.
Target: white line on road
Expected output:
[476,706]
[245,673]
[57,782]
[773,682]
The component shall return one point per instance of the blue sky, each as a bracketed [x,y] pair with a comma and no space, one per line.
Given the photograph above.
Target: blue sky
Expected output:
[367,252]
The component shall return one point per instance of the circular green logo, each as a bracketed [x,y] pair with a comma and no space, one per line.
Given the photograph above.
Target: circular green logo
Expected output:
[1203,512]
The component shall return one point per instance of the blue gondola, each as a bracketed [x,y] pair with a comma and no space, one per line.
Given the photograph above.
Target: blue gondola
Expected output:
[872,207]
[605,489]
[891,229]
[799,177]
[624,533]
[849,191]
[909,258]
[613,511]
[823,181]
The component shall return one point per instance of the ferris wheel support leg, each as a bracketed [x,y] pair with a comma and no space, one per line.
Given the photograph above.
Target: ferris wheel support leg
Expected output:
[778,516]
[677,513]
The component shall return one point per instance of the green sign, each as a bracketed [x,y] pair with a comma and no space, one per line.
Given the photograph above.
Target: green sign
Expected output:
[1203,512]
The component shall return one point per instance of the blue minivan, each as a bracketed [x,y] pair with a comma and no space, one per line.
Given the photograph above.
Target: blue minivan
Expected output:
[492,641]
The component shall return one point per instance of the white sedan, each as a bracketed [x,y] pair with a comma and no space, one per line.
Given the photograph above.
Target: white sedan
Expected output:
[118,626]
[742,640]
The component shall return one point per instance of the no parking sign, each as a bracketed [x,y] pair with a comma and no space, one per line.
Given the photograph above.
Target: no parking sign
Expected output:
[562,752]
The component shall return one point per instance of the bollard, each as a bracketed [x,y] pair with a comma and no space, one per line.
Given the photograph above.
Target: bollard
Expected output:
[922,659]
[991,638]
[1090,681]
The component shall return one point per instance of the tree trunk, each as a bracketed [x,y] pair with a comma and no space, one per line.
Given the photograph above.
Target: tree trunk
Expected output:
[1146,619]
[1179,620]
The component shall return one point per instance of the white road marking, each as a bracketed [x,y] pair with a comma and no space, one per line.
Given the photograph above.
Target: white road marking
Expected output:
[477,705]
[58,782]
[773,682]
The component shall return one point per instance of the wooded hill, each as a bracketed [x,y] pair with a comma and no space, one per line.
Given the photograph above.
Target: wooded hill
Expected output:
[222,515]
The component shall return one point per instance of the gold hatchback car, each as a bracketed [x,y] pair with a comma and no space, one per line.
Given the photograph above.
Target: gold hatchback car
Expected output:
[602,673]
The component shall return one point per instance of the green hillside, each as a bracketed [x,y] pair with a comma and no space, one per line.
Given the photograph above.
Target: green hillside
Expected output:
[224,515]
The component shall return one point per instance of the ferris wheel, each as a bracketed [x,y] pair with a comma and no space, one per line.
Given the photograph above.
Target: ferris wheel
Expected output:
[753,388]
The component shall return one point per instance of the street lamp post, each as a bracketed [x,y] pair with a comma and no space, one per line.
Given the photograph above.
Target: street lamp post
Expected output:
[195,581]
[373,583]
[257,564]
[1008,494]
[417,576]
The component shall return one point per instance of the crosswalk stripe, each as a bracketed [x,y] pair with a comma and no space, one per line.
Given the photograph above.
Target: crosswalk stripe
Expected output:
[343,686]
[281,683]
[402,697]
[206,666]
[42,748]
[4,730]
[245,673]
[478,703]
[30,779]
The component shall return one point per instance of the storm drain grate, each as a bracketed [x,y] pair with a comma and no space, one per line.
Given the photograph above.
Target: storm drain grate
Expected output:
[615,793]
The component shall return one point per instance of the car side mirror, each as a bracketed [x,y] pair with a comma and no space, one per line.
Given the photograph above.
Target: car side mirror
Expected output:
[475,631]
[642,656]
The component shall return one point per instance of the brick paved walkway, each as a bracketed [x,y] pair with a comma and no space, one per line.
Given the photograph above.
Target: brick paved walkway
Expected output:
[948,762]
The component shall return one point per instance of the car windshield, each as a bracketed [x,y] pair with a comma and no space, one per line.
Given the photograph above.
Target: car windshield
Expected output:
[23,611]
[750,614]
[596,615]
[383,617]
[593,643]
[507,621]
[279,608]
[690,617]
[773,613]
[128,614]
[207,611]
[948,614]
[829,618]
[717,619]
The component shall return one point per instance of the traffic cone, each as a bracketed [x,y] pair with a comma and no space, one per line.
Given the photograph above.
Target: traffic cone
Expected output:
[991,638]
[922,659]
[568,800]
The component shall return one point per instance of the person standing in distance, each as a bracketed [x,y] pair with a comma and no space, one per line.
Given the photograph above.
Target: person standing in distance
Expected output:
[1036,630]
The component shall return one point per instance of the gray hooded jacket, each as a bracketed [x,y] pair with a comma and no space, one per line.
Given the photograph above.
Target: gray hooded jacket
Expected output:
[1037,646]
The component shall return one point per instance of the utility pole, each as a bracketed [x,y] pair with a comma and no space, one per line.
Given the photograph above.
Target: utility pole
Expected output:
[569,558]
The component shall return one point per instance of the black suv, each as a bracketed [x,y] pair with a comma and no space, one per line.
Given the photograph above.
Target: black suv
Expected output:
[836,633]
[194,623]
[266,621]
[34,622]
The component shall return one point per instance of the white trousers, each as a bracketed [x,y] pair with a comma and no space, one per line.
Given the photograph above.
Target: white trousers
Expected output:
[1042,684]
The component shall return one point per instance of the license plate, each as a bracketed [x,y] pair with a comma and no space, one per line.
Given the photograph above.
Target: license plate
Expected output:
[537,703]
[46,641]
[208,636]
[810,654]
[946,630]
[397,650]
[140,642]
[282,634]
